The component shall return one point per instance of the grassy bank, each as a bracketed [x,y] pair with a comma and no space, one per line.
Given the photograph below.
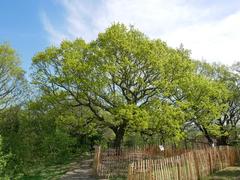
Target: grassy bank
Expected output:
[229,173]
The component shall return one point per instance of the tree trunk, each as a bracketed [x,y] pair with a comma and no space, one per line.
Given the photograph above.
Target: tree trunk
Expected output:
[222,141]
[119,133]
[210,141]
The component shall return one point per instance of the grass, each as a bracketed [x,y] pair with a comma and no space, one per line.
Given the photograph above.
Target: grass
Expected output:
[52,172]
[229,173]
[48,172]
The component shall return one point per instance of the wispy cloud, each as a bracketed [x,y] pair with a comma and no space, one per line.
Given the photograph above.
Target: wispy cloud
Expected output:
[209,29]
[55,36]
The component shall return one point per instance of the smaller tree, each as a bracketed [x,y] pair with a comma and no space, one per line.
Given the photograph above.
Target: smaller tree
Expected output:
[229,121]
[11,77]
[225,95]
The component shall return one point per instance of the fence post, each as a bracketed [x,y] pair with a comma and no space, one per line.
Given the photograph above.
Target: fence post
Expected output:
[210,162]
[179,169]
[130,171]
[150,169]
[97,159]
[196,164]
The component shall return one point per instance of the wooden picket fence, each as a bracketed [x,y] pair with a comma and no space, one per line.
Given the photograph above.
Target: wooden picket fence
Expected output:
[191,165]
[115,162]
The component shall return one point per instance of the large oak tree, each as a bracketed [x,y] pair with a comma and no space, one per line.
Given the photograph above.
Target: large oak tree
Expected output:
[121,77]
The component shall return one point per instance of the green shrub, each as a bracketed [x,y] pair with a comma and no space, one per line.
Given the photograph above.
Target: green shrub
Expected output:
[4,159]
[58,147]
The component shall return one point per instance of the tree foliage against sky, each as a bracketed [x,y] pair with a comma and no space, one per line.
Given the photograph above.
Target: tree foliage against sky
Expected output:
[123,75]
[11,76]
[118,89]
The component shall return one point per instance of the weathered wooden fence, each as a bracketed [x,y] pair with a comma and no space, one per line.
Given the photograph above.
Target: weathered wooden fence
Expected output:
[187,166]
[114,162]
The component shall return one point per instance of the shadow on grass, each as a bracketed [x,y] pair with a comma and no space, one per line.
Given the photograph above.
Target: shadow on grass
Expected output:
[52,172]
[228,173]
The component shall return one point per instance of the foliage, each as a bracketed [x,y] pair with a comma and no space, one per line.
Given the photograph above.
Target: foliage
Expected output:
[116,77]
[4,158]
[122,88]
[12,83]
[225,125]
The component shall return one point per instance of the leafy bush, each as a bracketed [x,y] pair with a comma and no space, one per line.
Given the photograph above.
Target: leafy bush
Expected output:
[58,147]
[4,159]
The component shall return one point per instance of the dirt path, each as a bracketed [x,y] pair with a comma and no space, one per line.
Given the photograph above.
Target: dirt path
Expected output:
[82,171]
[229,173]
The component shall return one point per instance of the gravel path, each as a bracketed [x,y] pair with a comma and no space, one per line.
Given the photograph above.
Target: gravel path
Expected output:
[81,171]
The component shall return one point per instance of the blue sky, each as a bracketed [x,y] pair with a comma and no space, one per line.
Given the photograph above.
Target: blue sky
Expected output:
[209,28]
[21,26]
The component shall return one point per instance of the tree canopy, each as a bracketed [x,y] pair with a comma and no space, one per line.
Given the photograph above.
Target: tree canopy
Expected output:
[123,75]
[120,89]
[11,76]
